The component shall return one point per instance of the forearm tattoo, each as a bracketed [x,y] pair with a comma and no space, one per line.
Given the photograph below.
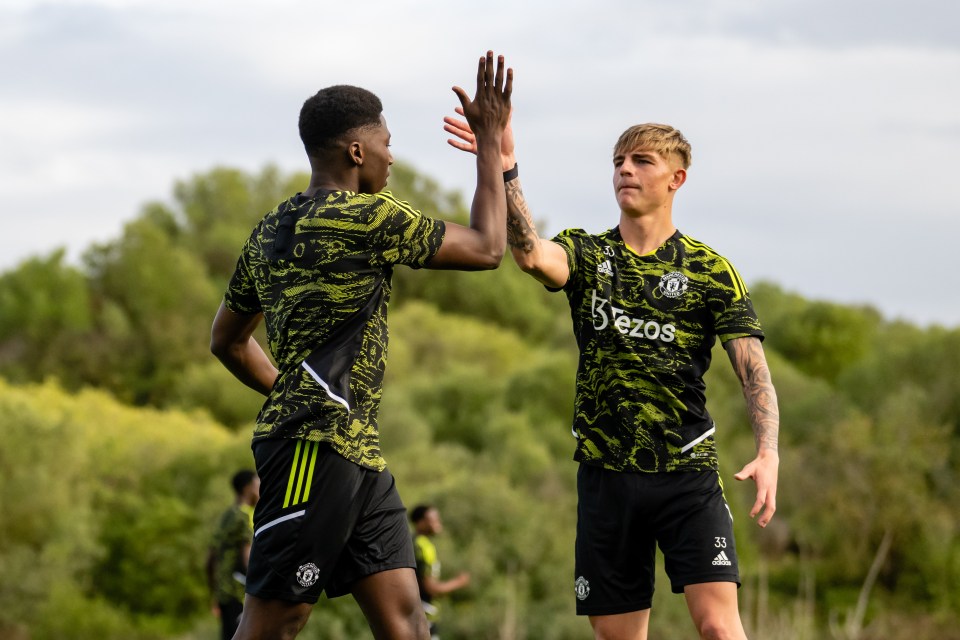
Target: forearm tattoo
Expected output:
[748,360]
[521,232]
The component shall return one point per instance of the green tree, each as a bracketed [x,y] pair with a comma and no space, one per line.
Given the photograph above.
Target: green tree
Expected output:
[45,310]
[217,211]
[164,294]
[820,338]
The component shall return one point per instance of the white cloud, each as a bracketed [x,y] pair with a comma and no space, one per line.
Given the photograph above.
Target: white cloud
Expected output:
[805,133]
[47,124]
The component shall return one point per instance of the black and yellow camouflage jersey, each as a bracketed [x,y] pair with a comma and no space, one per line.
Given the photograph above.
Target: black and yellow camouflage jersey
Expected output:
[323,287]
[234,532]
[645,326]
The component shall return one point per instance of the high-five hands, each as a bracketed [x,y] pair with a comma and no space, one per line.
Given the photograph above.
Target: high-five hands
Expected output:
[466,141]
[489,111]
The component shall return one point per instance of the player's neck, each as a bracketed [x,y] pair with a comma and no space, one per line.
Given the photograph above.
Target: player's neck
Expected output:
[645,233]
[327,174]
[327,182]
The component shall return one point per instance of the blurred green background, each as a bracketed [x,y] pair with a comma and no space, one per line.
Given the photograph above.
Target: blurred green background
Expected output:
[119,433]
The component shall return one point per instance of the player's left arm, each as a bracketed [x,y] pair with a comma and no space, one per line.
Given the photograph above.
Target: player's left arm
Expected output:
[750,364]
[211,570]
[436,587]
[232,341]
[245,555]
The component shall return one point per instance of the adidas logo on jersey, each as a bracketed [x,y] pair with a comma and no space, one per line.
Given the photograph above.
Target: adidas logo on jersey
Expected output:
[722,560]
[605,268]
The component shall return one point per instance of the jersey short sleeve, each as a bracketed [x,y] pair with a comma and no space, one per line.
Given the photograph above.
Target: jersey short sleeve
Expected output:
[399,234]
[730,304]
[572,242]
[241,295]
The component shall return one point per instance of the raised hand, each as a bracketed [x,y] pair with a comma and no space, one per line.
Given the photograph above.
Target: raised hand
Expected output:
[482,244]
[466,141]
[489,111]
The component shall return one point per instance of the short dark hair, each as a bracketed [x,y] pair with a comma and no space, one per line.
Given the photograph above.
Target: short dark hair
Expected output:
[241,479]
[419,512]
[333,111]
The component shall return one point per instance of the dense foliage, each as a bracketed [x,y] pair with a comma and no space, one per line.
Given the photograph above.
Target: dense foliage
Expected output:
[120,432]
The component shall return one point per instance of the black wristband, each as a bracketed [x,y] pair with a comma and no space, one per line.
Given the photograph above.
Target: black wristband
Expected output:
[512,174]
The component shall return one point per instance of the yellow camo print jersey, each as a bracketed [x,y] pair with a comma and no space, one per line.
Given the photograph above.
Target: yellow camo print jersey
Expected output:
[645,326]
[324,296]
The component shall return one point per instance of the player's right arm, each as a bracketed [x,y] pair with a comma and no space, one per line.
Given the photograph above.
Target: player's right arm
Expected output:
[543,259]
[232,342]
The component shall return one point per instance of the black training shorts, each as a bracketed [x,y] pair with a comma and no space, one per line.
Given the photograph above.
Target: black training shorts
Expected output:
[322,523]
[621,517]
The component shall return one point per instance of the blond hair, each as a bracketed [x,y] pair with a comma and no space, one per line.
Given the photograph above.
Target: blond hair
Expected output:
[659,138]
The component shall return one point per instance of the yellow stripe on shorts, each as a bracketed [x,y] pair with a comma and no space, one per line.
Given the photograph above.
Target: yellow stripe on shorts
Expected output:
[301,473]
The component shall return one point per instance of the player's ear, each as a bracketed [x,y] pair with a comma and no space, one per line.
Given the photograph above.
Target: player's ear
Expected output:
[679,177]
[355,152]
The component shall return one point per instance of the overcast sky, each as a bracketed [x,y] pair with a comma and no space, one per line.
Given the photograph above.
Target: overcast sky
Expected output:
[826,134]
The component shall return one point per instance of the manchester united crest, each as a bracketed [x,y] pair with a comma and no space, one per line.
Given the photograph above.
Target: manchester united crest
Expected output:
[307,574]
[582,587]
[673,284]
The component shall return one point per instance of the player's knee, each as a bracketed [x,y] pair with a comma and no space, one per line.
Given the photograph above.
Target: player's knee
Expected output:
[617,630]
[416,623]
[718,628]
[277,625]
[609,634]
[404,621]
[410,627]
[421,629]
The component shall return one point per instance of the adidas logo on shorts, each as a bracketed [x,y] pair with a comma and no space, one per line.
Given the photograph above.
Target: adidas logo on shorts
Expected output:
[722,560]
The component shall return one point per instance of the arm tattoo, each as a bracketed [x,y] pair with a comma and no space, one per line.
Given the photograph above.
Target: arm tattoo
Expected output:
[746,355]
[521,232]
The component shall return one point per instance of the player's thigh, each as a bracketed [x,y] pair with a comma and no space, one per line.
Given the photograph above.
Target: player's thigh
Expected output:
[271,619]
[622,626]
[695,532]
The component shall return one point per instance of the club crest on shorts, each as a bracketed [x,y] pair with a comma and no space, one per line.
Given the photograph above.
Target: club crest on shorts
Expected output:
[673,284]
[582,587]
[308,574]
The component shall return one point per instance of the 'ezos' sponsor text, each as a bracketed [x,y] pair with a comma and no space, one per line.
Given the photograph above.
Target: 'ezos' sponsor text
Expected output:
[605,314]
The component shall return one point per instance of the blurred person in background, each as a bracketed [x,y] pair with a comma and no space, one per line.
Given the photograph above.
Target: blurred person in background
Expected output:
[230,552]
[427,524]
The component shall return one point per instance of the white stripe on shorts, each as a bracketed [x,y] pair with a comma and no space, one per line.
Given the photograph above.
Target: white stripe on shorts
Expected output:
[289,516]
